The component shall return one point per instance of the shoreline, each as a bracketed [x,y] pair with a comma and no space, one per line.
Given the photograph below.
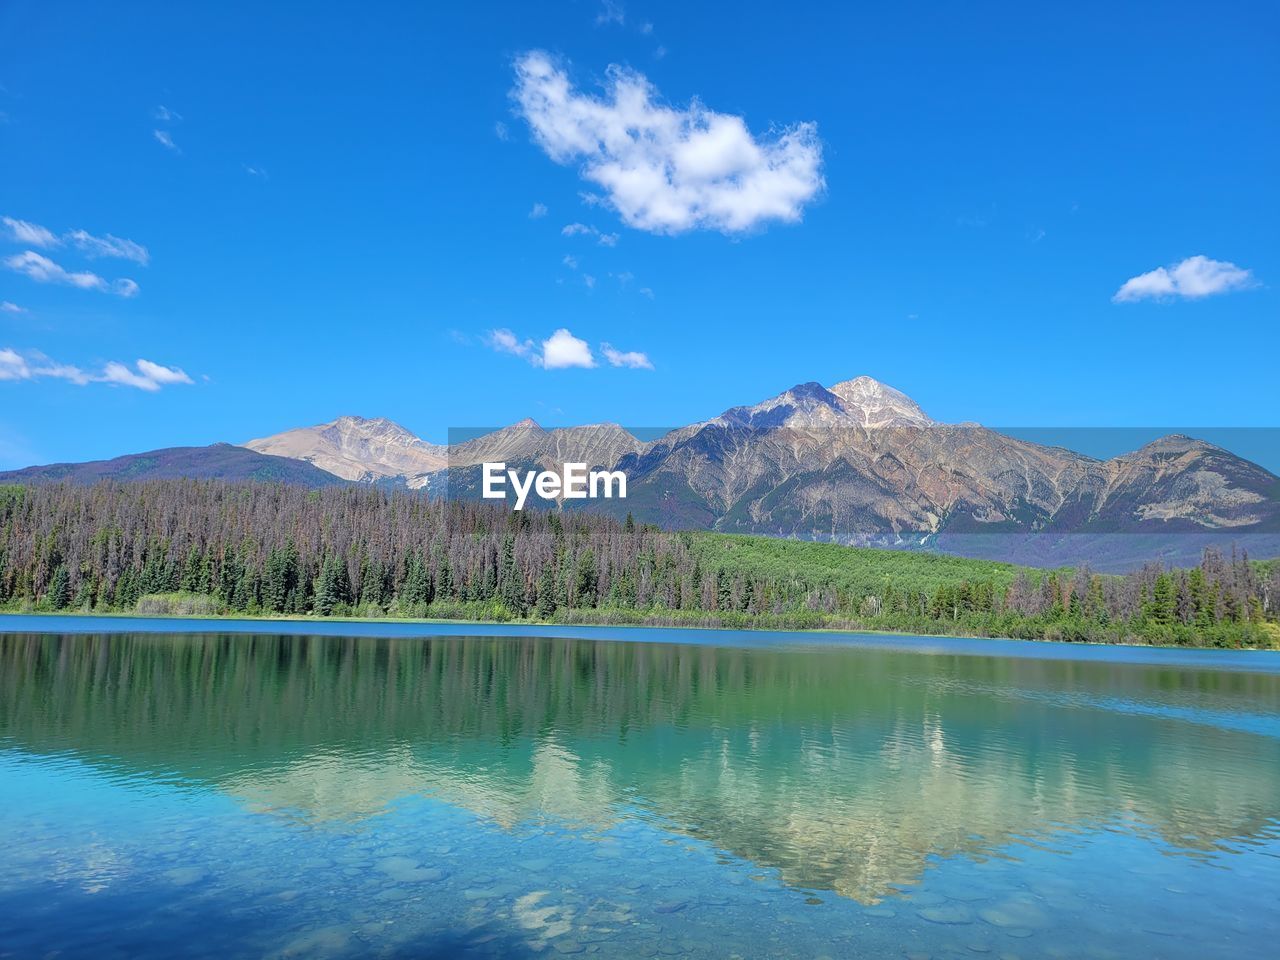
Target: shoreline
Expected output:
[757,638]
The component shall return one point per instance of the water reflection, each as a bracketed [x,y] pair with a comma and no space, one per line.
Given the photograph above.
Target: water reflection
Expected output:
[849,770]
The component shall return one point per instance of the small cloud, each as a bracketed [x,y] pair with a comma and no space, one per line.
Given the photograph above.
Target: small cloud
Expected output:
[108,246]
[165,140]
[165,115]
[611,12]
[253,171]
[633,359]
[1190,279]
[1036,235]
[43,270]
[31,234]
[646,292]
[537,211]
[589,280]
[501,132]
[646,28]
[559,351]
[625,277]
[8,307]
[91,246]
[583,230]
[504,341]
[145,375]
[162,375]
[562,349]
[13,366]
[660,53]
[570,261]
[664,169]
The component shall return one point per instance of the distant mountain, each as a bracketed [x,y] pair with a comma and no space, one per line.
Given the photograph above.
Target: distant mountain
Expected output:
[862,463]
[596,445]
[220,461]
[356,448]
[857,463]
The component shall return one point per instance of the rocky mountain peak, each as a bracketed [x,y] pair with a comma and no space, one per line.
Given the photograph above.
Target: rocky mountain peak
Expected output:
[357,448]
[379,428]
[877,404]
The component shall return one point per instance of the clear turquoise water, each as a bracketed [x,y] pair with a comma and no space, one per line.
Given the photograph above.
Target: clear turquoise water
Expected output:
[229,792]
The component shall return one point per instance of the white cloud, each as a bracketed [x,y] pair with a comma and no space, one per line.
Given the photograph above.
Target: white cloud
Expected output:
[1191,279]
[537,211]
[611,12]
[668,170]
[10,307]
[255,171]
[500,131]
[145,375]
[43,270]
[165,140]
[13,366]
[166,115]
[645,291]
[109,246]
[504,341]
[31,234]
[570,261]
[562,349]
[589,280]
[628,358]
[583,230]
[161,374]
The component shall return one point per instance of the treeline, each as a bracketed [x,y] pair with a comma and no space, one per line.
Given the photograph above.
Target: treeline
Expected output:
[207,547]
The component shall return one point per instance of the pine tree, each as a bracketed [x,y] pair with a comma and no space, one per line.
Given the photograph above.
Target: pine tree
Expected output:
[510,583]
[59,593]
[546,593]
[333,587]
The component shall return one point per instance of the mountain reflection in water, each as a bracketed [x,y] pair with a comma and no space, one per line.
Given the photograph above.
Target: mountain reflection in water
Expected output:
[847,769]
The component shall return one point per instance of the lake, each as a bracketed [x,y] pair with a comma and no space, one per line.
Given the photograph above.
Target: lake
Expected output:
[253,789]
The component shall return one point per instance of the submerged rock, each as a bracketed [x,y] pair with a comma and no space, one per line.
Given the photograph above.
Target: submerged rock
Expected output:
[950,913]
[1024,914]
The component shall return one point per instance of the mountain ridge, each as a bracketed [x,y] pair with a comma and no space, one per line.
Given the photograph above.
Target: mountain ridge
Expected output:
[859,462]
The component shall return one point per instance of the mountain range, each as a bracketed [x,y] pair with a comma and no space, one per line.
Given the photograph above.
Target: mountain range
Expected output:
[857,462]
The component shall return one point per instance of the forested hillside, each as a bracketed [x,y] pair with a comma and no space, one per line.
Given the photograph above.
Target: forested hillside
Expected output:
[210,547]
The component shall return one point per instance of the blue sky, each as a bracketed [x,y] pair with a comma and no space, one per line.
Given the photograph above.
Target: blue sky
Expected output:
[334,210]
